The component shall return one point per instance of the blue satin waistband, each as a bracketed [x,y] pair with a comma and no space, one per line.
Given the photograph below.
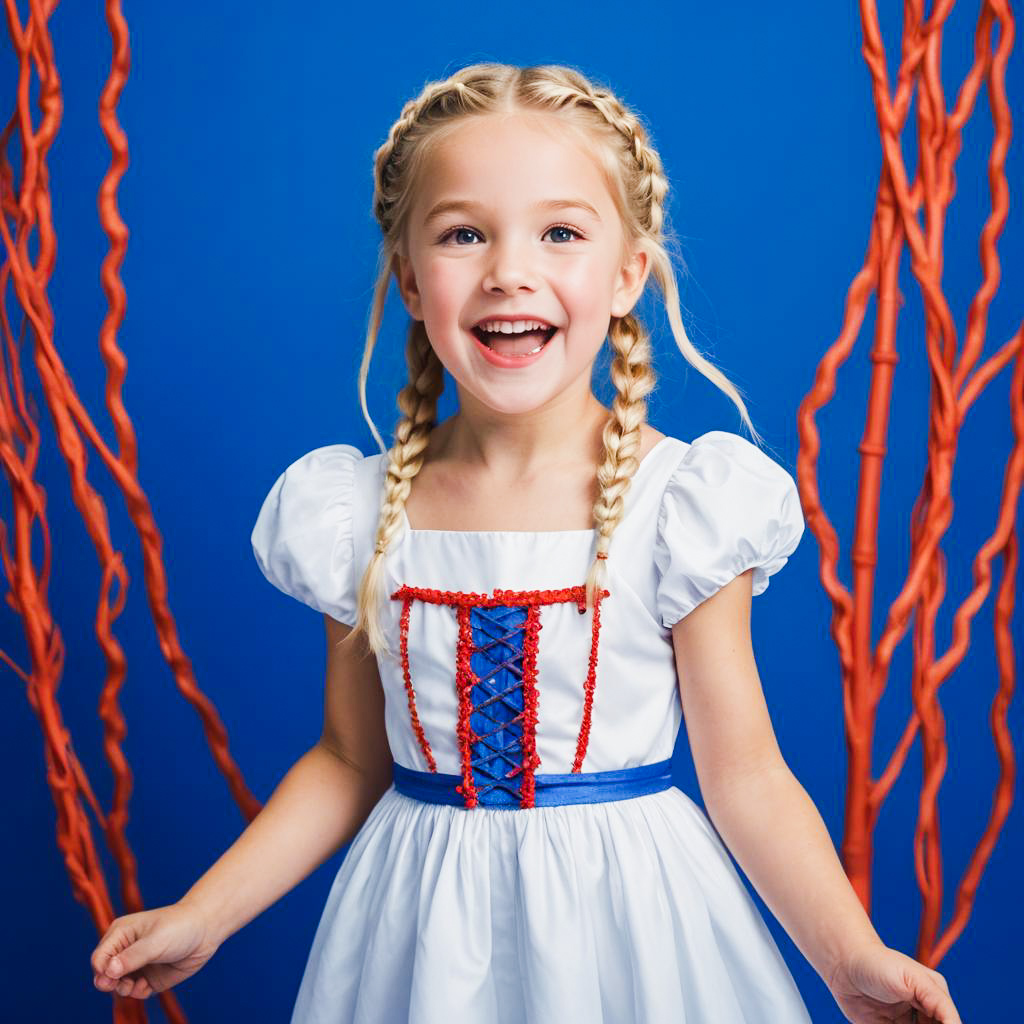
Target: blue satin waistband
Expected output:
[549,790]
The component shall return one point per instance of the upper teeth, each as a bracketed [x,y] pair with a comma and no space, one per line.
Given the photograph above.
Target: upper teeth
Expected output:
[512,326]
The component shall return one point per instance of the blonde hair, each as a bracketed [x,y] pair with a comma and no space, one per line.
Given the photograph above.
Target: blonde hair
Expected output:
[614,135]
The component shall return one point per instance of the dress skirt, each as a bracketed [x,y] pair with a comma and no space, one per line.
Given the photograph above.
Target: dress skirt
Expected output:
[623,911]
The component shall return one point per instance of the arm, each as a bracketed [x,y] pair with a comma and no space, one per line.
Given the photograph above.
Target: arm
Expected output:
[318,806]
[756,804]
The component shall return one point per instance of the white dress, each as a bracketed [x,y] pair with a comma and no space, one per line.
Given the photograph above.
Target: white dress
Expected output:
[621,911]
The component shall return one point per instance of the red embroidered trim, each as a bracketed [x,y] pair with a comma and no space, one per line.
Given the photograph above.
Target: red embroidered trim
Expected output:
[411,694]
[588,687]
[528,716]
[465,678]
[499,597]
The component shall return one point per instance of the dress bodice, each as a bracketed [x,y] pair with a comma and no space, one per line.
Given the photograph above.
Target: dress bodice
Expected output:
[493,661]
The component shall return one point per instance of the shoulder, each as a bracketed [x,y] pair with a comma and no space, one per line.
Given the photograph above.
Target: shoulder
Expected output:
[727,463]
[303,537]
[649,439]
[727,506]
[308,489]
[321,463]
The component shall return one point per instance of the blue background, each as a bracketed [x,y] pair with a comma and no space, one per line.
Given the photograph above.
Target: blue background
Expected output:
[249,276]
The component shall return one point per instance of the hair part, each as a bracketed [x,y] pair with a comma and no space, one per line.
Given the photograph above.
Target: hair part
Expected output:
[614,135]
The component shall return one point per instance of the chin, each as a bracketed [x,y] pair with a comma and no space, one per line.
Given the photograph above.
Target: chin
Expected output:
[510,405]
[508,399]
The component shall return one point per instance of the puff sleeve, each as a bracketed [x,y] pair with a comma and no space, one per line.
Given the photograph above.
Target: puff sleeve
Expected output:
[726,508]
[303,537]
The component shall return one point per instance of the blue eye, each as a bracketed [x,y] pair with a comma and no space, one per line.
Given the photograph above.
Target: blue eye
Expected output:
[456,231]
[565,227]
[452,232]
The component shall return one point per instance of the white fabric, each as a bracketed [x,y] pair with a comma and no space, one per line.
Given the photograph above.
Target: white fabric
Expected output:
[726,508]
[303,535]
[622,912]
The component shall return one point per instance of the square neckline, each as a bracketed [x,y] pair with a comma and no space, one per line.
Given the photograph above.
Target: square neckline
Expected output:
[408,530]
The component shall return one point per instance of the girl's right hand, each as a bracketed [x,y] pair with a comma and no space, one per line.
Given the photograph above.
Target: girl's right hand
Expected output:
[148,952]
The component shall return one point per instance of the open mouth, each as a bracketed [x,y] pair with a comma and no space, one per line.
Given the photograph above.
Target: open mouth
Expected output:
[524,343]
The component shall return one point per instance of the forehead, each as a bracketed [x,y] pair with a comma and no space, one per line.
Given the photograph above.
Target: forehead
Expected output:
[510,162]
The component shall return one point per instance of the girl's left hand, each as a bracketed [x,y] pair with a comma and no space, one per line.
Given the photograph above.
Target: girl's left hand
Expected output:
[876,984]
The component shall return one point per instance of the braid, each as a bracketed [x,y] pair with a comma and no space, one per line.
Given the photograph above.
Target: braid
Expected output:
[631,371]
[418,404]
[439,101]
[646,200]
[568,88]
[634,172]
[418,400]
[654,185]
[382,158]
[634,379]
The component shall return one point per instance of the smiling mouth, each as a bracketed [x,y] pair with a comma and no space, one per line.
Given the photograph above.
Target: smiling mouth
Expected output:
[525,343]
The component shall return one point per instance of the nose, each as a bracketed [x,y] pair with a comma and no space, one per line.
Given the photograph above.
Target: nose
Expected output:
[509,268]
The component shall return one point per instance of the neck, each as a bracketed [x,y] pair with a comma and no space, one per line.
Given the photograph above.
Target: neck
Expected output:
[516,446]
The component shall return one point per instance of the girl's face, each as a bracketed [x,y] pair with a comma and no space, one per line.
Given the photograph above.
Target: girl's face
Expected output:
[512,221]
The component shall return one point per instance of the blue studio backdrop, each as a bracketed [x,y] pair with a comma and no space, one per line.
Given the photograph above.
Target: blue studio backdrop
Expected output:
[249,275]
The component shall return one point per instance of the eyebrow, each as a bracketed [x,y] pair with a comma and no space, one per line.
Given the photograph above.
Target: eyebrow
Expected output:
[450,205]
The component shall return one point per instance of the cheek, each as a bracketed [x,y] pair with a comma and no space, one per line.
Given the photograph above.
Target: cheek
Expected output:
[444,287]
[587,305]
[587,285]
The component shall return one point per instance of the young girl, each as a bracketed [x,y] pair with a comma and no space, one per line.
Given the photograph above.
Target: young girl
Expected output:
[520,603]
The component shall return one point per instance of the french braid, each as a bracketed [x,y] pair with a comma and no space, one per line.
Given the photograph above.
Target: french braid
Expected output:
[639,187]
[418,404]
[631,371]
[634,379]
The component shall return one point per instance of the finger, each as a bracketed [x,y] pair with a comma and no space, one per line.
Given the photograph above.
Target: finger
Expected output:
[936,1005]
[139,987]
[107,946]
[945,1012]
[130,987]
[137,955]
[115,966]
[118,938]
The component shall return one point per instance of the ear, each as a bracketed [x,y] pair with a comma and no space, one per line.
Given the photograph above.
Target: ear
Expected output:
[406,280]
[630,285]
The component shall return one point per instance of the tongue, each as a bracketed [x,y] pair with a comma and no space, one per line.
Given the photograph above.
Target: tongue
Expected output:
[515,344]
